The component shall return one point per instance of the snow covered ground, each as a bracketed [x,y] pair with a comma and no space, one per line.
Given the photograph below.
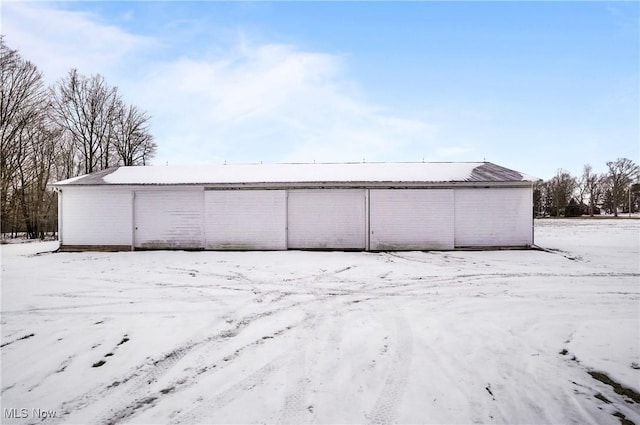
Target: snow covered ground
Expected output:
[327,337]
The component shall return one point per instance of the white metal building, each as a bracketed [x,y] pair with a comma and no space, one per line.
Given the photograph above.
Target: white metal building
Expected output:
[353,206]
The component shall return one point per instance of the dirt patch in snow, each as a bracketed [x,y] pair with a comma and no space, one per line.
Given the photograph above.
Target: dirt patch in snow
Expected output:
[617,388]
[623,419]
[18,339]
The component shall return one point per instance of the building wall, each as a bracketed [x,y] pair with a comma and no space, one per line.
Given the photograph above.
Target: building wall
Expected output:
[493,217]
[95,216]
[410,219]
[190,217]
[245,219]
[169,218]
[326,219]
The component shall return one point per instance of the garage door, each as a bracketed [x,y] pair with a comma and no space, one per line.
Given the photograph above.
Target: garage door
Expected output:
[326,219]
[168,219]
[96,216]
[245,219]
[408,219]
[493,217]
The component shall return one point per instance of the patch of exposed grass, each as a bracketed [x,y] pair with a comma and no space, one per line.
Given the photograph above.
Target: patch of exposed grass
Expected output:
[167,390]
[16,340]
[623,419]
[617,388]
[599,396]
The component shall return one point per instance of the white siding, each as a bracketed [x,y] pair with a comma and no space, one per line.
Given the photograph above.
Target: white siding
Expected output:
[379,219]
[408,219]
[493,217]
[245,219]
[326,219]
[169,218]
[96,216]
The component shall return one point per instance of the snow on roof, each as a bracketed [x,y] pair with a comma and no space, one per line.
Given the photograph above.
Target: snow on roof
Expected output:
[421,172]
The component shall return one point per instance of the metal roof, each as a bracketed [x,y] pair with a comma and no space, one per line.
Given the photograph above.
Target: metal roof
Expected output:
[339,173]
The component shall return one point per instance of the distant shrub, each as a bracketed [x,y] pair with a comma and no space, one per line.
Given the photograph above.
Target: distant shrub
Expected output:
[573,209]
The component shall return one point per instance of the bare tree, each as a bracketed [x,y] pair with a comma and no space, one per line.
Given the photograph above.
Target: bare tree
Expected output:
[36,204]
[133,141]
[593,186]
[22,102]
[103,130]
[80,125]
[634,196]
[23,108]
[538,198]
[68,163]
[86,107]
[561,188]
[542,199]
[622,172]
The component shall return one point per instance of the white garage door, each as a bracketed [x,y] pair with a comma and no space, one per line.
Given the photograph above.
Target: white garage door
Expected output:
[168,219]
[326,219]
[493,217]
[245,219]
[408,219]
[96,216]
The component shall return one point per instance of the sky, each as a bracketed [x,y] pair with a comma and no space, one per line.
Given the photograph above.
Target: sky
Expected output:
[533,86]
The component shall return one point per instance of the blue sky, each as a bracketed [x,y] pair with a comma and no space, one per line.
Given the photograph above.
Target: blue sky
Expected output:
[534,86]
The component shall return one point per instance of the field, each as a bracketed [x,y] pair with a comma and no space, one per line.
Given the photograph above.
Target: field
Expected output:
[535,336]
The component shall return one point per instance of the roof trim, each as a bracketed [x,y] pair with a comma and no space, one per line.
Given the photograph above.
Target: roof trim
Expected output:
[315,175]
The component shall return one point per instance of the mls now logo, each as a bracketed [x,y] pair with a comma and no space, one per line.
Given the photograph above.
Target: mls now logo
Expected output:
[23,413]
[15,413]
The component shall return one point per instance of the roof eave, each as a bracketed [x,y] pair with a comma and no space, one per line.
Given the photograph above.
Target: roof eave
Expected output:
[358,184]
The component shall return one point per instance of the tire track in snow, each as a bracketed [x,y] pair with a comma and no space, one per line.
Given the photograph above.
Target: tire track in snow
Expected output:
[384,410]
[336,334]
[295,368]
[146,400]
[225,397]
[137,397]
[132,389]
[130,394]
[294,402]
[317,277]
[294,410]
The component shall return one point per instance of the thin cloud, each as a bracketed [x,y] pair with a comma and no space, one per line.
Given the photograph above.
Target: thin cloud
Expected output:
[57,40]
[274,103]
[249,102]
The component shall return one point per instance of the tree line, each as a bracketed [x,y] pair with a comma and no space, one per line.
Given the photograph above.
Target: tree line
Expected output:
[613,192]
[79,125]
